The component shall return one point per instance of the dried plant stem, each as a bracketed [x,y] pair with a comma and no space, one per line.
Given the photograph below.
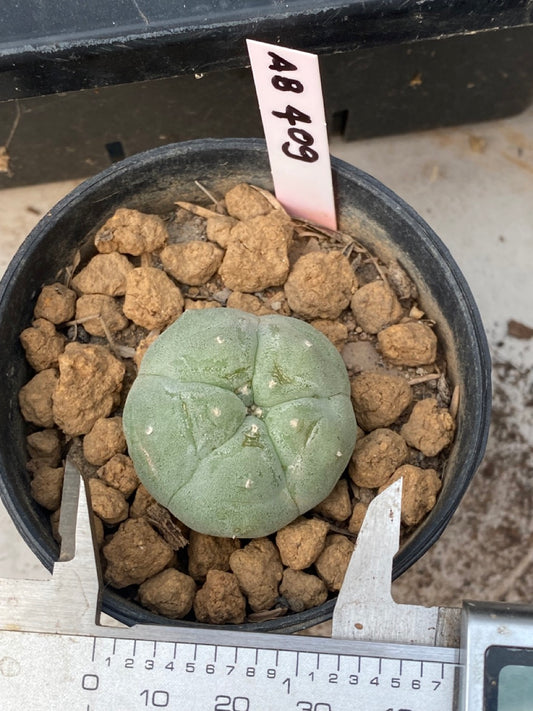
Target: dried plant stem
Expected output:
[117,349]
[213,199]
[454,404]
[424,378]
[197,209]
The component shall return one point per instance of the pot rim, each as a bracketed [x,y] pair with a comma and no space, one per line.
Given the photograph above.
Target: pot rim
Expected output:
[445,507]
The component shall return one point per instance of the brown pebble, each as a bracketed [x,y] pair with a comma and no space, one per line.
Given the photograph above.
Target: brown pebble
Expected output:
[131,232]
[104,440]
[256,256]
[247,302]
[134,554]
[258,569]
[106,309]
[336,331]
[169,593]
[244,202]
[358,516]
[430,428]
[220,600]
[191,263]
[104,274]
[141,503]
[42,344]
[379,398]
[301,542]
[55,303]
[302,591]
[198,304]
[419,492]
[46,446]
[143,346]
[119,473]
[412,343]
[375,306]
[35,398]
[89,385]
[46,487]
[337,505]
[218,229]
[152,299]
[376,457]
[332,563]
[206,552]
[107,503]
[320,285]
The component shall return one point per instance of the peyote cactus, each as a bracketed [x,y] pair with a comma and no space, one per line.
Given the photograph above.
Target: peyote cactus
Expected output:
[237,423]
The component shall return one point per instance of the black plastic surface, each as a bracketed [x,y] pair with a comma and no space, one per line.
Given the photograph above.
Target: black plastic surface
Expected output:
[152,181]
[369,92]
[49,46]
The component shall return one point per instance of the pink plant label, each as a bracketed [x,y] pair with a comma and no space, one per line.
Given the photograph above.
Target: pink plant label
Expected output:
[289,93]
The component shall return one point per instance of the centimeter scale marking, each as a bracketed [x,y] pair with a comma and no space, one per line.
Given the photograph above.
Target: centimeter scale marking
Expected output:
[98,673]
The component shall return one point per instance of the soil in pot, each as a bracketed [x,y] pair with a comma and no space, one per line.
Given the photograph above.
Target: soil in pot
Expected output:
[90,333]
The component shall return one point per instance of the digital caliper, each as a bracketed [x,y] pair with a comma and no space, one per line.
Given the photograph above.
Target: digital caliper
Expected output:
[55,654]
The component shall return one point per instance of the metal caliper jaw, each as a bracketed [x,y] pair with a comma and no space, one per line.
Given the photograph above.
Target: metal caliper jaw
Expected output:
[70,600]
[365,609]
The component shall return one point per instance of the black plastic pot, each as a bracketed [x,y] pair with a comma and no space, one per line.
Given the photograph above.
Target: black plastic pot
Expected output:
[152,181]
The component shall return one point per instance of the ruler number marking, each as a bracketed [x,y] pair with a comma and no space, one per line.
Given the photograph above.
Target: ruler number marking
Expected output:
[423,682]
[229,703]
[90,682]
[159,698]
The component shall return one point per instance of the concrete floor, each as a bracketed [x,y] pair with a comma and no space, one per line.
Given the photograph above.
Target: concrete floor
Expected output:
[474,185]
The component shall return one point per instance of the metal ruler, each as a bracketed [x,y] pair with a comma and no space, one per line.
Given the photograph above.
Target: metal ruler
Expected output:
[54,654]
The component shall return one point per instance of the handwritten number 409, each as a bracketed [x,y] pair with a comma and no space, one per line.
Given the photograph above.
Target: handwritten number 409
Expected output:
[302,138]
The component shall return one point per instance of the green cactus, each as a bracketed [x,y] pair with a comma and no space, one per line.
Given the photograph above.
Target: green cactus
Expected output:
[237,423]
